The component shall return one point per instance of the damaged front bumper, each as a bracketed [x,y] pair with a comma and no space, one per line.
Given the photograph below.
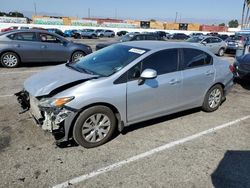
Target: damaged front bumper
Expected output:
[53,119]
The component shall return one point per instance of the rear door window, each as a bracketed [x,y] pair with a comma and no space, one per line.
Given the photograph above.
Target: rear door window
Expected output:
[27,36]
[193,58]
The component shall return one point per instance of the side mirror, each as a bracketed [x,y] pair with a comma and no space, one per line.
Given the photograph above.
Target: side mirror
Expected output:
[147,74]
[204,42]
[64,43]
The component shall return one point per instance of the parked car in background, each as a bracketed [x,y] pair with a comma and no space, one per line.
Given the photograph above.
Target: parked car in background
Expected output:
[196,35]
[214,44]
[237,41]
[131,37]
[57,31]
[147,80]
[77,34]
[88,33]
[38,28]
[215,34]
[161,33]
[19,46]
[98,31]
[69,33]
[179,36]
[241,67]
[121,33]
[9,28]
[106,33]
[223,37]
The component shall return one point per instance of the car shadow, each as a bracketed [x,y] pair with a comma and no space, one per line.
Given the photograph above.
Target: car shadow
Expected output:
[136,126]
[233,170]
[243,83]
[158,120]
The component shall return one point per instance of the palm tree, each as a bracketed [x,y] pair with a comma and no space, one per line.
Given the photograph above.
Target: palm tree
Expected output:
[243,13]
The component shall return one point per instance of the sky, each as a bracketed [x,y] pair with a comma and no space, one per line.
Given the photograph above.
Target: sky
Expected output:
[209,11]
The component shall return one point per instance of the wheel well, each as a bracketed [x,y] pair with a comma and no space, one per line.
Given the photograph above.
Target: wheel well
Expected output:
[219,83]
[77,51]
[113,108]
[12,52]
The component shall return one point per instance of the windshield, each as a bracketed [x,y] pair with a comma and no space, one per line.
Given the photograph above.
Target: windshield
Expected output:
[109,60]
[194,39]
[126,38]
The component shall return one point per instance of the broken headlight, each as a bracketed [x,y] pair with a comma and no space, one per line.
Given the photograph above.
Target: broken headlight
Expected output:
[54,102]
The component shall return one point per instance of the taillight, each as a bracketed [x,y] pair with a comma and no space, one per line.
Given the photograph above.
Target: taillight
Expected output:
[232,68]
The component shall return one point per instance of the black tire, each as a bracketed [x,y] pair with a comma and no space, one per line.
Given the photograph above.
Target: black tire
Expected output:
[76,55]
[10,60]
[112,35]
[221,52]
[84,117]
[216,93]
[101,35]
[93,36]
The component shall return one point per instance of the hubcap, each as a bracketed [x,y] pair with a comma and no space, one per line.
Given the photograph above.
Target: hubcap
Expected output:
[214,98]
[10,60]
[96,127]
[77,56]
[221,52]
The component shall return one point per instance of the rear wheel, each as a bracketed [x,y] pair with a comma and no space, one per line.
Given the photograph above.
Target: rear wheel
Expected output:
[10,60]
[221,52]
[213,98]
[77,55]
[94,126]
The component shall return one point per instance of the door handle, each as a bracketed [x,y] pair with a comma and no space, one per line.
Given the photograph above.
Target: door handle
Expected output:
[174,81]
[209,73]
[43,46]
[18,45]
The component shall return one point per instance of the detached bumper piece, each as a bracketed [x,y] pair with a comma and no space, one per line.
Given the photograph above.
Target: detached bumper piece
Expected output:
[24,101]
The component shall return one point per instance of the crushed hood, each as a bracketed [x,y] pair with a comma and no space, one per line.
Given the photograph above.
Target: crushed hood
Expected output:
[46,82]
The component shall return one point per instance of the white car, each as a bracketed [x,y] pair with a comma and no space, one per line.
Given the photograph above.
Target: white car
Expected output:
[106,33]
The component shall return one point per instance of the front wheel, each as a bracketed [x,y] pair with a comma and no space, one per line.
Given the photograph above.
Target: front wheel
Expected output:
[77,55]
[10,60]
[213,99]
[94,126]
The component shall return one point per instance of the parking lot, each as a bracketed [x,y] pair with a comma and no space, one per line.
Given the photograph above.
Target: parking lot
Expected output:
[187,149]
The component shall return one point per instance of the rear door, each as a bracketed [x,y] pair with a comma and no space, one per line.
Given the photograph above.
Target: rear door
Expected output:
[27,46]
[54,49]
[217,44]
[198,76]
[156,96]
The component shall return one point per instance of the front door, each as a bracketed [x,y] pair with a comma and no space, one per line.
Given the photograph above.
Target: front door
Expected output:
[53,48]
[155,97]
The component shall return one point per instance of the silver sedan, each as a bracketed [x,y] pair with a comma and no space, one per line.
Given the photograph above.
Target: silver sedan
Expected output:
[214,44]
[121,85]
[19,46]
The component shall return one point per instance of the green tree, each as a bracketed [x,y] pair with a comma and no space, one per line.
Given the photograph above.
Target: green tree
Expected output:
[233,23]
[222,24]
[3,14]
[16,14]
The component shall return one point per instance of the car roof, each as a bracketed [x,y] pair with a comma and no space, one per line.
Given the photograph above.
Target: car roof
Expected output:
[31,30]
[154,45]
